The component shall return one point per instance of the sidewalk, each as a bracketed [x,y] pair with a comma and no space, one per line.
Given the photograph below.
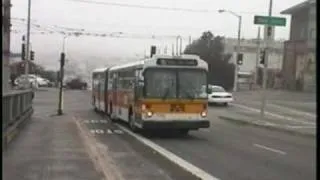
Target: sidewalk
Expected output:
[48,148]
[285,125]
[64,147]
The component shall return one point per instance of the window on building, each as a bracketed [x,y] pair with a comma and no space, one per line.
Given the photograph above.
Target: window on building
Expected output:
[312,34]
[302,33]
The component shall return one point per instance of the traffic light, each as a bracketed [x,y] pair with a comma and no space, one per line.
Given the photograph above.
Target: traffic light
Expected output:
[269,31]
[31,55]
[262,56]
[153,50]
[240,59]
[23,52]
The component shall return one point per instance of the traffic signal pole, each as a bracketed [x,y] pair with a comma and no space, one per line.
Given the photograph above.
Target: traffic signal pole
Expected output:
[28,45]
[62,61]
[265,70]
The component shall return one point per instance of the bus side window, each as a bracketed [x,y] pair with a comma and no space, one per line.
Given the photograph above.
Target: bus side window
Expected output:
[138,85]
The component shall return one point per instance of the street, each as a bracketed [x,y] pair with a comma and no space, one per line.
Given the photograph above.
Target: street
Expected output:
[225,150]
[234,151]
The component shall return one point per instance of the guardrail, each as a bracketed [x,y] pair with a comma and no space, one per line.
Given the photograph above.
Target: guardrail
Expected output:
[16,109]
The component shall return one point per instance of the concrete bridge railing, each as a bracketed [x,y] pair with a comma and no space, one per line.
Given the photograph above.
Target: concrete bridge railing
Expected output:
[16,109]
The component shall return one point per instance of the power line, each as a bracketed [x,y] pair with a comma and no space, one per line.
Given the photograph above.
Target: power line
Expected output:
[157,7]
[46,29]
[144,7]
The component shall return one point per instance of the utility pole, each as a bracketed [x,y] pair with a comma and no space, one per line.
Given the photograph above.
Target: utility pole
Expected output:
[236,69]
[178,39]
[265,70]
[238,53]
[28,44]
[189,39]
[257,57]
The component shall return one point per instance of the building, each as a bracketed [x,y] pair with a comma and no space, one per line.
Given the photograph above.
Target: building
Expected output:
[298,70]
[251,58]
[6,5]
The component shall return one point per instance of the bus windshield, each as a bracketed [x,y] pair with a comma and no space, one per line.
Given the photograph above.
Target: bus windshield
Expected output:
[175,83]
[191,83]
[160,83]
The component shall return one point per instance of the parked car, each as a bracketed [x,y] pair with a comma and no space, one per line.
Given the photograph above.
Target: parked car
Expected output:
[218,95]
[30,79]
[76,83]
[43,82]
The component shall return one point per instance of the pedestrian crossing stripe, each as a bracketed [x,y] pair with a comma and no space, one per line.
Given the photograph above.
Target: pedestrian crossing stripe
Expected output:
[108,131]
[103,121]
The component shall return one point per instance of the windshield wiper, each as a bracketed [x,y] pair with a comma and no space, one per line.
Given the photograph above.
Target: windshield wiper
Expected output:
[189,95]
[166,93]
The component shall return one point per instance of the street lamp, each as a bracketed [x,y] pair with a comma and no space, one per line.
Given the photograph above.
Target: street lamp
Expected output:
[178,39]
[238,47]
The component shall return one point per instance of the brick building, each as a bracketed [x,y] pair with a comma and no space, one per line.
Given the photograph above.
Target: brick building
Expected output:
[298,69]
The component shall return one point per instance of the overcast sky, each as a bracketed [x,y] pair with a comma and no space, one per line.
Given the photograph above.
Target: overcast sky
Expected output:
[103,18]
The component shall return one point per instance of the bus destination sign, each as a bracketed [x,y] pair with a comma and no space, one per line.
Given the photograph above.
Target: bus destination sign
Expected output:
[177,62]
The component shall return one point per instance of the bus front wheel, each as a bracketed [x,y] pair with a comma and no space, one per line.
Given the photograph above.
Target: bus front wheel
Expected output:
[184,131]
[132,125]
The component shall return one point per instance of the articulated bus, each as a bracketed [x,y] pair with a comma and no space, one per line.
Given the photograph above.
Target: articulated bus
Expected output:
[160,92]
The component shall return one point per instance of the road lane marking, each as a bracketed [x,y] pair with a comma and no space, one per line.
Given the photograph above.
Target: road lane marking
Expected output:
[101,160]
[201,174]
[301,127]
[286,101]
[109,131]
[273,114]
[270,149]
[118,131]
[294,111]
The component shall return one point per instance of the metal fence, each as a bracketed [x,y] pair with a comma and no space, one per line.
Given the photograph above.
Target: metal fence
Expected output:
[16,108]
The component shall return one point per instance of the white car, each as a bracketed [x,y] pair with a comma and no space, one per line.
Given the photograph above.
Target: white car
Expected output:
[30,79]
[42,82]
[218,95]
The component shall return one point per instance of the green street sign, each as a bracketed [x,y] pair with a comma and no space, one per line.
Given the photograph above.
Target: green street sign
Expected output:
[272,21]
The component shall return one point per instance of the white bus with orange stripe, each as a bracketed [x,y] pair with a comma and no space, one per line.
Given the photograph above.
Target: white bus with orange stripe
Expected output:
[159,92]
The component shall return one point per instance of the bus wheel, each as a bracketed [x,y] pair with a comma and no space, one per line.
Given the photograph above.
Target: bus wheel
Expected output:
[184,131]
[132,125]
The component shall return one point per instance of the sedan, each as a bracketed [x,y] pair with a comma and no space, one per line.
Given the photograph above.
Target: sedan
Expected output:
[218,95]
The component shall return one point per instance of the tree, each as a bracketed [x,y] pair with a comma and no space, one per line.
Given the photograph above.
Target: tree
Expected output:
[211,49]
[47,74]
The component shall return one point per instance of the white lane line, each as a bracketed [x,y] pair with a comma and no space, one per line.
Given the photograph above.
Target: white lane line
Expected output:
[293,111]
[172,157]
[109,131]
[273,114]
[301,127]
[270,149]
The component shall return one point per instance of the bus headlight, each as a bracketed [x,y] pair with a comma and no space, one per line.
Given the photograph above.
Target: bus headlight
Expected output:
[149,113]
[203,114]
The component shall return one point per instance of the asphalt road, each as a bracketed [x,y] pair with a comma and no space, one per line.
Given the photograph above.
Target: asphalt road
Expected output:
[130,158]
[226,150]
[232,151]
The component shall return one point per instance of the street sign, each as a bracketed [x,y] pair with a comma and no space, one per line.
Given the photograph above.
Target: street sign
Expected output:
[273,21]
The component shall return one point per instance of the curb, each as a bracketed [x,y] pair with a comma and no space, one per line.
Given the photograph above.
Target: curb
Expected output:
[100,160]
[256,123]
